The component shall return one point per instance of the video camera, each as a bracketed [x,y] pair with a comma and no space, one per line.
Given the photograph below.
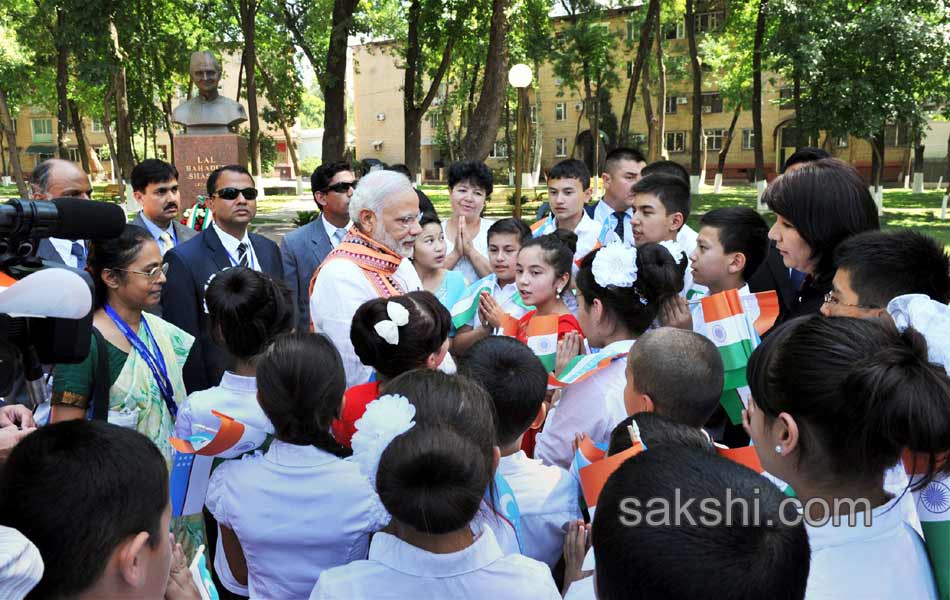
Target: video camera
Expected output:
[51,322]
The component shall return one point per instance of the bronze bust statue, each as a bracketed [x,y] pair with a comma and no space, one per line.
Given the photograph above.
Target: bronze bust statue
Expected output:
[208,112]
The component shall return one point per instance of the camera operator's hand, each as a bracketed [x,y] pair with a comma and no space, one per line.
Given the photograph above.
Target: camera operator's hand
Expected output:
[10,437]
[16,414]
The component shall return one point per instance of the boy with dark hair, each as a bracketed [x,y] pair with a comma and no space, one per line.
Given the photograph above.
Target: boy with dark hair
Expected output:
[802,157]
[568,193]
[875,267]
[669,167]
[731,245]
[676,373]
[725,535]
[614,210]
[155,188]
[657,430]
[546,496]
[114,481]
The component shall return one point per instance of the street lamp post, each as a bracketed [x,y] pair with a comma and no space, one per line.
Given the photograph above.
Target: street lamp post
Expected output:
[520,78]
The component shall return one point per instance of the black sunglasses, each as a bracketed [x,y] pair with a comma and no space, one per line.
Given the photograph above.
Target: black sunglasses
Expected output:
[230,193]
[341,187]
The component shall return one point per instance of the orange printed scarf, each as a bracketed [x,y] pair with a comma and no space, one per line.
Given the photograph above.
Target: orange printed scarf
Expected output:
[377,262]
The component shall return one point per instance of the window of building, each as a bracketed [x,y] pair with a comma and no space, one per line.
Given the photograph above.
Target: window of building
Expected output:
[748,139]
[533,113]
[675,32]
[672,102]
[434,118]
[560,147]
[841,141]
[163,152]
[630,31]
[560,111]
[629,69]
[676,141]
[708,21]
[712,102]
[74,155]
[499,150]
[97,126]
[895,135]
[714,139]
[42,130]
[786,98]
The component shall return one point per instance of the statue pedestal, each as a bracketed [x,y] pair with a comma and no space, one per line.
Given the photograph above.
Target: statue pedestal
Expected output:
[196,156]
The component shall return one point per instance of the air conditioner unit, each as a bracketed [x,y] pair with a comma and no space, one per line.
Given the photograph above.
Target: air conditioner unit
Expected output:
[707,109]
[380,116]
[377,144]
[578,106]
[682,100]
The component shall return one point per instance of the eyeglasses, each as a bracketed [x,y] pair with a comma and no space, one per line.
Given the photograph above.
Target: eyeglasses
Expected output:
[830,299]
[230,193]
[151,275]
[341,187]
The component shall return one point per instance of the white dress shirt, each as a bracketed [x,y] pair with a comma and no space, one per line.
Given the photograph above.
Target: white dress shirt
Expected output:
[588,236]
[604,213]
[231,243]
[593,406]
[547,498]
[886,561]
[480,243]
[297,511]
[340,289]
[396,569]
[235,396]
[21,566]
[504,296]
[332,230]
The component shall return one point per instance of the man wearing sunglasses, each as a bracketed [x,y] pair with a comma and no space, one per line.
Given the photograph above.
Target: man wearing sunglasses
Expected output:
[192,264]
[303,249]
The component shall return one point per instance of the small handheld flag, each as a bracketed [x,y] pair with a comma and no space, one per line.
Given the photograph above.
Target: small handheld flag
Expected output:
[933,509]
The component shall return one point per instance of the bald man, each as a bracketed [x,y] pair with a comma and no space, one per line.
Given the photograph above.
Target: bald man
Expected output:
[57,178]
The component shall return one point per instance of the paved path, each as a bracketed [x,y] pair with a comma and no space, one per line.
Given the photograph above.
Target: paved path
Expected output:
[281,222]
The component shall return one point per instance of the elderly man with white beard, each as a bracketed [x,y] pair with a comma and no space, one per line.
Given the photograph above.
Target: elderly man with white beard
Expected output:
[372,261]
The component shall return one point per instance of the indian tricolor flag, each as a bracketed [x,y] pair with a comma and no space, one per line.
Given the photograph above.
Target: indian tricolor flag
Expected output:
[465,309]
[748,457]
[933,509]
[543,226]
[540,334]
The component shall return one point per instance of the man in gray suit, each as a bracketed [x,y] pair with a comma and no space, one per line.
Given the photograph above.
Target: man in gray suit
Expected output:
[303,249]
[155,186]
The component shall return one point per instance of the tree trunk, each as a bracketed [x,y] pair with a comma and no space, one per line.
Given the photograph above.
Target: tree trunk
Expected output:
[757,96]
[727,142]
[536,168]
[877,162]
[334,82]
[649,115]
[3,155]
[107,130]
[918,169]
[7,123]
[413,113]
[508,147]
[80,136]
[62,80]
[248,12]
[483,126]
[167,111]
[661,92]
[697,148]
[797,101]
[470,104]
[646,38]
[125,158]
[285,122]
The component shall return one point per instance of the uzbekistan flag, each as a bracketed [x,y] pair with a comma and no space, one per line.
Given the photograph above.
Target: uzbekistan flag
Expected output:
[736,333]
[540,335]
[933,509]
[583,366]
[465,309]
[544,226]
[748,457]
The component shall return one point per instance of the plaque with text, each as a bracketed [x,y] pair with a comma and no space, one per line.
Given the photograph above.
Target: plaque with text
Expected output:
[196,156]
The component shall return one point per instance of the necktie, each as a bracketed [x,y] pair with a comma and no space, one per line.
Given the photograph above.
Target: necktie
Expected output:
[79,251]
[242,254]
[797,278]
[167,242]
[620,215]
[339,234]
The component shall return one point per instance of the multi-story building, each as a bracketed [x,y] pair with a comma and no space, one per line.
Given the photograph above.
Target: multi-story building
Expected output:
[557,107]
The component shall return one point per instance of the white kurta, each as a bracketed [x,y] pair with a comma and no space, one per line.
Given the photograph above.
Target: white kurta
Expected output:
[593,406]
[886,561]
[396,569]
[340,289]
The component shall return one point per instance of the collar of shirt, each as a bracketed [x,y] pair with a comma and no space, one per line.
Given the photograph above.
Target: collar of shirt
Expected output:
[885,519]
[602,211]
[513,462]
[157,231]
[587,225]
[238,383]
[330,228]
[230,242]
[64,248]
[292,455]
[406,558]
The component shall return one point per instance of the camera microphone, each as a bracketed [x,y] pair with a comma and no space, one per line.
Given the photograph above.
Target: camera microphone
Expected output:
[67,218]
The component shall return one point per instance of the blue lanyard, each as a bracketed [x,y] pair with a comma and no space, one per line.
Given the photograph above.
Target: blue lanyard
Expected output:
[250,254]
[155,362]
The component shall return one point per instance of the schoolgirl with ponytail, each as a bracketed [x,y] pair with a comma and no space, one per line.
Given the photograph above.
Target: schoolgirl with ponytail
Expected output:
[835,402]
[619,291]
[297,509]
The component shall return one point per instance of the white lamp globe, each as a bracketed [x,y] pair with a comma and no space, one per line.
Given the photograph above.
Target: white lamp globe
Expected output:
[520,76]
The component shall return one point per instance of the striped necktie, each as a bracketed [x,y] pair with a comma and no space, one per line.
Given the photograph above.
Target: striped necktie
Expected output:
[242,255]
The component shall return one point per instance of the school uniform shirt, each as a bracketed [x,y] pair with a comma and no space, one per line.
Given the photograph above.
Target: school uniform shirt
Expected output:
[297,511]
[588,236]
[547,498]
[398,570]
[603,213]
[21,566]
[505,297]
[480,243]
[593,406]
[231,244]
[235,396]
[886,561]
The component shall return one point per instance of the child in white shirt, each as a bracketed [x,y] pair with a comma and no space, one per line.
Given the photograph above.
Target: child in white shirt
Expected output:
[297,509]
[546,496]
[432,463]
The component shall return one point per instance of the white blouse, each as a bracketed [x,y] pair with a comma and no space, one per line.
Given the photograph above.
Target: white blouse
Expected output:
[396,569]
[480,243]
[886,561]
[593,406]
[297,510]
[235,396]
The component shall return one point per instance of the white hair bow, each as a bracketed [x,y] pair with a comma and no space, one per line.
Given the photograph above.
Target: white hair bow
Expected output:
[388,329]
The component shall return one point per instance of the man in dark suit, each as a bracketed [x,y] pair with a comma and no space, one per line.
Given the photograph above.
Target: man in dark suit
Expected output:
[56,178]
[155,186]
[192,264]
[303,249]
